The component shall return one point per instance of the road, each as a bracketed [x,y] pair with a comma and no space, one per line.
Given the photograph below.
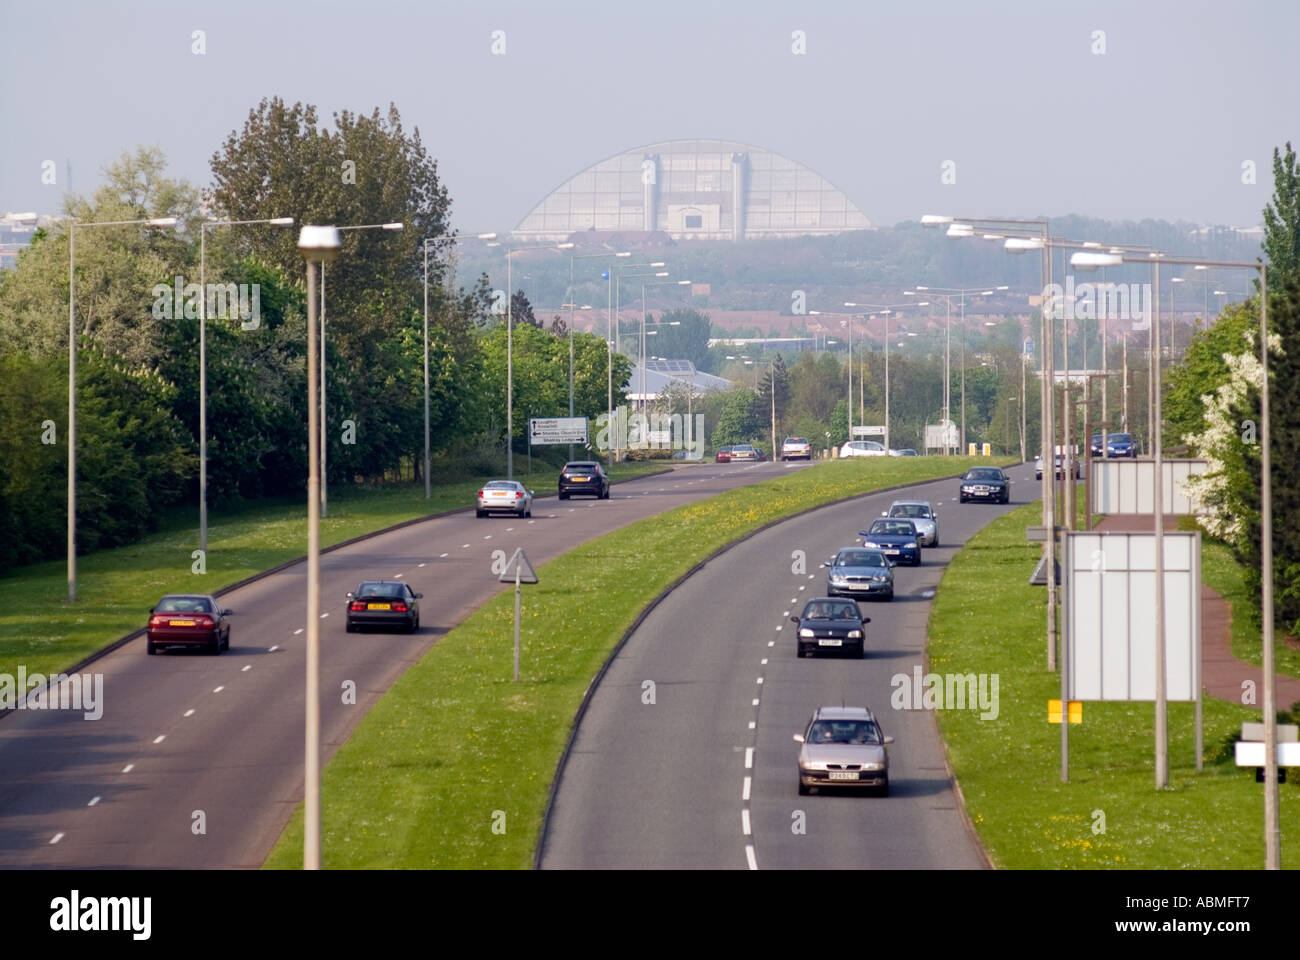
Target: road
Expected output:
[705,776]
[197,760]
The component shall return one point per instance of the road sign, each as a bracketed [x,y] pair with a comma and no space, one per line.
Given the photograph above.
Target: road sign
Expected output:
[561,430]
[868,431]
[518,569]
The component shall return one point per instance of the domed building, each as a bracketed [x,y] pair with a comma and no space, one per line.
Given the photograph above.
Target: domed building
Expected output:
[694,190]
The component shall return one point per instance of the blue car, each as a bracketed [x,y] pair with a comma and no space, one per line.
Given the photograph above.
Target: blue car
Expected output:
[896,539]
[1120,445]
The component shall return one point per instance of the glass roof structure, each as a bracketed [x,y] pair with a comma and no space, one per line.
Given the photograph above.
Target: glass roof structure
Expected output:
[694,189]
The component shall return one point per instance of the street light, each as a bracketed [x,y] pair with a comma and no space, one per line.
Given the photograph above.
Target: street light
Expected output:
[885,310]
[318,245]
[1272,829]
[644,284]
[72,380]
[324,444]
[425,245]
[610,356]
[203,361]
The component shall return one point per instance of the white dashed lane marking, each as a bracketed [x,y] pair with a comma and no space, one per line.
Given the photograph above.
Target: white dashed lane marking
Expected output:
[189,712]
[93,801]
[56,838]
[160,738]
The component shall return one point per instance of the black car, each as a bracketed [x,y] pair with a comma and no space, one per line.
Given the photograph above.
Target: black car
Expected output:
[188,620]
[985,483]
[585,478]
[827,624]
[384,603]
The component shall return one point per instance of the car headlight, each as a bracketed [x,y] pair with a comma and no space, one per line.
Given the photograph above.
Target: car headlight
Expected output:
[805,632]
[838,578]
[812,765]
[870,543]
[855,634]
[873,766]
[967,489]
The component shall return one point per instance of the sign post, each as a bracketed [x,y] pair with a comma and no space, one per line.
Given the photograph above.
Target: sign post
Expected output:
[520,571]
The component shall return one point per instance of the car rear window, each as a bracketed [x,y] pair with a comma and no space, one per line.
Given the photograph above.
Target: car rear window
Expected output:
[501,485]
[910,510]
[585,469]
[184,605]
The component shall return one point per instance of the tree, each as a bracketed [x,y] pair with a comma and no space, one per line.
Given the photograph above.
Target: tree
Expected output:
[736,420]
[777,378]
[521,311]
[1282,221]
[687,340]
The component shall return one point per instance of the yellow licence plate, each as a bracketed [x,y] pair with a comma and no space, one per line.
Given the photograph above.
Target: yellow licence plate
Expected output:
[379,606]
[181,623]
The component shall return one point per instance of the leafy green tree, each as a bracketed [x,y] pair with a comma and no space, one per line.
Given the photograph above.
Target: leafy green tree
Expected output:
[736,420]
[1282,221]
[688,340]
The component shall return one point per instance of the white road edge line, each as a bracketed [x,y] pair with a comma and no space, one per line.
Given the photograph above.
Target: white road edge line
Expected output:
[56,838]
[218,689]
[298,631]
[160,738]
[188,713]
[128,768]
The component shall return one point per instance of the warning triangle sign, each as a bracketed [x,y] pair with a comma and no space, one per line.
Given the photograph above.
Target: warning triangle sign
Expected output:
[519,562]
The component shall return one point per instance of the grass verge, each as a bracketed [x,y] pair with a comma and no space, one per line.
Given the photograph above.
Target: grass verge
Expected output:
[987,619]
[116,588]
[455,748]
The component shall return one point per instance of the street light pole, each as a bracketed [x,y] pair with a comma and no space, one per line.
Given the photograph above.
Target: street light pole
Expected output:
[317,245]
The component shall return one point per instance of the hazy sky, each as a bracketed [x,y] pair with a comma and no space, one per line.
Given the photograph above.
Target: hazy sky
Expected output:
[1012,93]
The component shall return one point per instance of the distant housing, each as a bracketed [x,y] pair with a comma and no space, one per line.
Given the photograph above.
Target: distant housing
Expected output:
[693,190]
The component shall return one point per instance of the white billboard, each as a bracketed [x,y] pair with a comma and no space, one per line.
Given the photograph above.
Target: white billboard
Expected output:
[557,430]
[1109,616]
[1128,486]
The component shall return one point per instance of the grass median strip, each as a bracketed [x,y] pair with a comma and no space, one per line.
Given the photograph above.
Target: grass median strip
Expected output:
[986,619]
[452,767]
[115,588]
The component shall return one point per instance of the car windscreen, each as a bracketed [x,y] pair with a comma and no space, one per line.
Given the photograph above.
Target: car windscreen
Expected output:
[985,474]
[1120,438]
[380,590]
[184,605]
[831,610]
[910,510]
[893,528]
[860,558]
[845,731]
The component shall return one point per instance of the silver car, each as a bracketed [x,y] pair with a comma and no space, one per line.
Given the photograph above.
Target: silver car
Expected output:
[843,747]
[922,516]
[504,496]
[860,572]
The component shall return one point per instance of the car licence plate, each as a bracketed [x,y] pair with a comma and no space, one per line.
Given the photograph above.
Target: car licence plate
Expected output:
[579,479]
[379,606]
[830,643]
[842,775]
[891,553]
[498,493]
[180,623]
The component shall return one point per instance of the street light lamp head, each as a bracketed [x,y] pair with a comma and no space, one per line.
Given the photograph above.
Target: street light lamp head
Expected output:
[1022,244]
[320,244]
[1085,260]
[662,273]
[934,220]
[961,230]
[658,264]
[625,253]
[394,226]
[565,246]
[485,236]
[281,222]
[162,222]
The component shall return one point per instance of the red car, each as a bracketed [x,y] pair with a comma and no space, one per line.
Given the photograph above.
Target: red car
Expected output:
[724,455]
[188,620]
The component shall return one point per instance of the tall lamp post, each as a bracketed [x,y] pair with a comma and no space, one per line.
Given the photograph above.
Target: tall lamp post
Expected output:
[588,256]
[510,351]
[615,277]
[644,284]
[73,226]
[318,245]
[203,360]
[1272,828]
[324,440]
[886,310]
[425,246]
